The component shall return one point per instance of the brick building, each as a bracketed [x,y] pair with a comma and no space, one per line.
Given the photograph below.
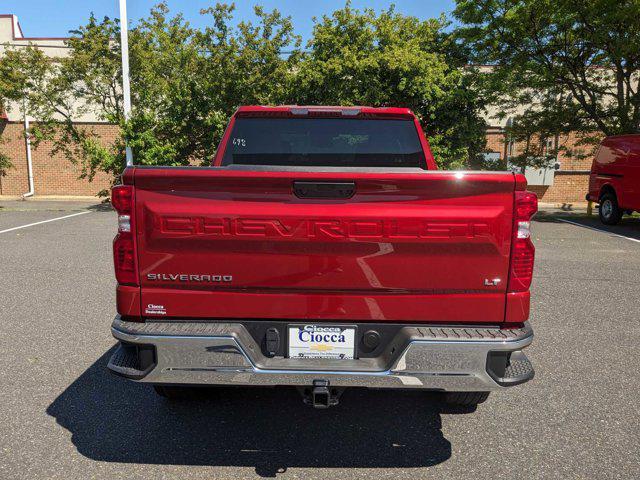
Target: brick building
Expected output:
[568,184]
[52,174]
[55,175]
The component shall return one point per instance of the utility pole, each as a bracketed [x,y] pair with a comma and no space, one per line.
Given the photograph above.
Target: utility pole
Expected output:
[126,88]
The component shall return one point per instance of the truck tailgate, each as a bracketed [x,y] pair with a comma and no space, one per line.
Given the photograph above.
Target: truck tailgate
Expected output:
[418,246]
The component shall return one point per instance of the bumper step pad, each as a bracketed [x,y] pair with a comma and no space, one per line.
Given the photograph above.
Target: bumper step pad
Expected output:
[132,361]
[179,327]
[509,369]
[519,368]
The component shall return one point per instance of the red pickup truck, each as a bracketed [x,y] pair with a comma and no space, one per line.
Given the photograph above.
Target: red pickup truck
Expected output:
[323,250]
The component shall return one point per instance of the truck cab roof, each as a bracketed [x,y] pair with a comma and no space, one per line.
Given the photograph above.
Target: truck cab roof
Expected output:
[325,110]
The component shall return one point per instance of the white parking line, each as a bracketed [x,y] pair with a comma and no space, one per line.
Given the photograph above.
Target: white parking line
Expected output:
[596,229]
[44,221]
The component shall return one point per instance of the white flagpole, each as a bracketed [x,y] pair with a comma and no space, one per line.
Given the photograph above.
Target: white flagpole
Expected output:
[126,88]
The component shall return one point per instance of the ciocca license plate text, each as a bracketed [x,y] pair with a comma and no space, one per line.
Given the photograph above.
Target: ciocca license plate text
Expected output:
[321,341]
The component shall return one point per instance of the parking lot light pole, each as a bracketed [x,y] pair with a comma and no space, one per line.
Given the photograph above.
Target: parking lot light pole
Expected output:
[126,88]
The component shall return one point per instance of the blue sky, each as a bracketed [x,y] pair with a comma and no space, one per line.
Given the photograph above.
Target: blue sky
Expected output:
[49,18]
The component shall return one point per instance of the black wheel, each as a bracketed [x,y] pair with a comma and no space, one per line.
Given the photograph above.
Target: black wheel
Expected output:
[171,392]
[609,211]
[465,399]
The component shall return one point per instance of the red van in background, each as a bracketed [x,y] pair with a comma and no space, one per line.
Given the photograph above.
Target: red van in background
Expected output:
[615,177]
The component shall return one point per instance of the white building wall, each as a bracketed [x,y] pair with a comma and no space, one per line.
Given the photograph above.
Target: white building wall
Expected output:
[11,36]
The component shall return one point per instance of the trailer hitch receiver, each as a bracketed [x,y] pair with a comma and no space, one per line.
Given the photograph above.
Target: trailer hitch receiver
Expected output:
[321,395]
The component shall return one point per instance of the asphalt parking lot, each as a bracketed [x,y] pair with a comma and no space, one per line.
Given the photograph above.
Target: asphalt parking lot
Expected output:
[63,416]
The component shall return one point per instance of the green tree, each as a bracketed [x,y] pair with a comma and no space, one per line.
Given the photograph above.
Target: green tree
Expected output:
[5,161]
[575,63]
[185,85]
[19,72]
[388,59]
[186,82]
[5,164]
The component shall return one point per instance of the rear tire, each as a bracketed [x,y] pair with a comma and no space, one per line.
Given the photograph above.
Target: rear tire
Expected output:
[609,211]
[465,399]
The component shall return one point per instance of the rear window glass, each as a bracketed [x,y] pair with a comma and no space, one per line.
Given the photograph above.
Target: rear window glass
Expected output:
[324,142]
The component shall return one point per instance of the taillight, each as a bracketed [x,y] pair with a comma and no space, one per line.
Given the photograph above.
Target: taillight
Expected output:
[122,198]
[522,250]
[124,245]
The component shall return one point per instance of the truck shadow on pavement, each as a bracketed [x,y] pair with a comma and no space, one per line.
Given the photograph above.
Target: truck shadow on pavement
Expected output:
[114,420]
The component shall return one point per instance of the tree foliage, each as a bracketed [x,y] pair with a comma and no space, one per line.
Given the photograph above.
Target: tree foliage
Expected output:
[5,164]
[186,82]
[389,59]
[5,161]
[574,62]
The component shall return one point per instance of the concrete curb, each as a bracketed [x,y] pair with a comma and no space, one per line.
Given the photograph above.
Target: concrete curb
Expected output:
[57,198]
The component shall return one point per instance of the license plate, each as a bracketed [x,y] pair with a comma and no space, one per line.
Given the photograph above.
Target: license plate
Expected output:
[322,341]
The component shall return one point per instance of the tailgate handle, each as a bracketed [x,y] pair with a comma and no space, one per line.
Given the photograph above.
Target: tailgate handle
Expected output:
[324,189]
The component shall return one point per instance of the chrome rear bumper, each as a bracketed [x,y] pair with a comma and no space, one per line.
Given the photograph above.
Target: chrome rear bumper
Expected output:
[424,357]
